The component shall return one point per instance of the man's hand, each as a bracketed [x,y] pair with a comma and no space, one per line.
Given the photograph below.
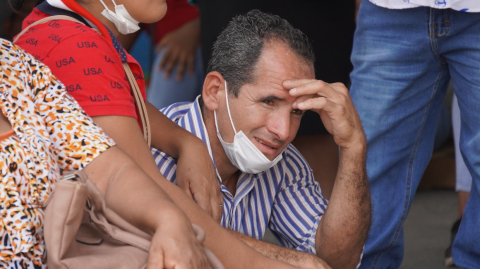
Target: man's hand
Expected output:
[335,107]
[181,45]
[343,229]
[196,176]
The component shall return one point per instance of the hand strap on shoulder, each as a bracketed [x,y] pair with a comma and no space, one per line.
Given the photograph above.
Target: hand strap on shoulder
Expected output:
[140,103]
[51,18]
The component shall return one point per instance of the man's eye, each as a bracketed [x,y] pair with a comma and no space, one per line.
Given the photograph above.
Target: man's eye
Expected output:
[297,112]
[268,102]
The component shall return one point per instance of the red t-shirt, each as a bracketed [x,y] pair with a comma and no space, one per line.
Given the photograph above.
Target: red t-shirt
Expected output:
[83,60]
[178,13]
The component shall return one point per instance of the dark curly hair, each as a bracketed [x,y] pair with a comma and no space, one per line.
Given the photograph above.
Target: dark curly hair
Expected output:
[238,47]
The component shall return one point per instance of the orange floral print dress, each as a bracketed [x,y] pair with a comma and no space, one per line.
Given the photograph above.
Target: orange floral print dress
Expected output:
[51,134]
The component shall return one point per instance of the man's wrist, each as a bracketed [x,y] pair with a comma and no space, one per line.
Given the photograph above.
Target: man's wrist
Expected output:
[358,147]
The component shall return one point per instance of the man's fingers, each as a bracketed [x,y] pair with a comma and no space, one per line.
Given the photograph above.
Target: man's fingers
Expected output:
[217,208]
[317,103]
[185,188]
[340,87]
[302,99]
[315,87]
[290,84]
[335,92]
[204,203]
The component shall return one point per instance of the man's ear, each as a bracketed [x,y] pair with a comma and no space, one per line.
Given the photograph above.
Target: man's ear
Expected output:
[213,83]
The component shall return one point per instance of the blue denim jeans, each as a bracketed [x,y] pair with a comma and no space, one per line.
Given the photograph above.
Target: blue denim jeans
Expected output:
[163,91]
[403,60]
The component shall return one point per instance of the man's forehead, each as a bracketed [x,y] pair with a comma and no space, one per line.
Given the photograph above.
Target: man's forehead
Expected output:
[278,61]
[276,64]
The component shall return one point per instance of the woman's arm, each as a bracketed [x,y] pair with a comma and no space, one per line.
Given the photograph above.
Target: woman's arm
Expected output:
[195,173]
[134,196]
[232,252]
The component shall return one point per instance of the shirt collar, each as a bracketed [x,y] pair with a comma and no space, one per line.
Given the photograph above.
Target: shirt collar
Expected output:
[58,4]
[57,7]
[193,122]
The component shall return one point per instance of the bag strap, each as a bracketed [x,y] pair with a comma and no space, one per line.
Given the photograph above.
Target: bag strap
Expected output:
[142,107]
[51,18]
[140,103]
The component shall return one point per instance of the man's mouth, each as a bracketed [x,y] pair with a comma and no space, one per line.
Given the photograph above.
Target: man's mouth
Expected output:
[263,143]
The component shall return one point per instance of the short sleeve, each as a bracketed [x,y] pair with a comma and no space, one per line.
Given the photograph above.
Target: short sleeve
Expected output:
[166,164]
[93,74]
[74,137]
[298,206]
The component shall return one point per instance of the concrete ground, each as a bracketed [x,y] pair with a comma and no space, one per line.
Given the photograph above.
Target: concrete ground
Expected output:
[427,229]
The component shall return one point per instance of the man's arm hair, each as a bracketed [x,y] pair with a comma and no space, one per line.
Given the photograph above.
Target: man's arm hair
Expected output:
[343,229]
[298,259]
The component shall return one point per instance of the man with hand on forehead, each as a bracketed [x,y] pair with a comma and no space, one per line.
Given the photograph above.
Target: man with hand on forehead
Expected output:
[260,81]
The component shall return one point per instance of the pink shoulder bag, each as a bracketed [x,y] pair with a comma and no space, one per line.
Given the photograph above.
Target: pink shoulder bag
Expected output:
[81,232]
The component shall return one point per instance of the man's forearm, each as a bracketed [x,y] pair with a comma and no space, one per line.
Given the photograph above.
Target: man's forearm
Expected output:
[344,227]
[296,258]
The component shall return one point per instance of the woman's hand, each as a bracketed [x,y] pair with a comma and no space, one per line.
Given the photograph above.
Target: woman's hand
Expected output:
[174,245]
[197,177]
[180,49]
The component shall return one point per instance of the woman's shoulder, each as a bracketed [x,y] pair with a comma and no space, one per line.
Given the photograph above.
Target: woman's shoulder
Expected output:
[15,64]
[23,77]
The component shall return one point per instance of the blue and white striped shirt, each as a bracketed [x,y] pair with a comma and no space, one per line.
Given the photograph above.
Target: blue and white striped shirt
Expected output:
[285,198]
[460,5]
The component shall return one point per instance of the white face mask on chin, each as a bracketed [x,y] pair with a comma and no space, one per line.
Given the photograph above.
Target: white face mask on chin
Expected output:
[242,152]
[121,18]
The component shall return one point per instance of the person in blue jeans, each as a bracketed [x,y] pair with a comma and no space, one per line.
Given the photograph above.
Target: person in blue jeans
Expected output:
[177,70]
[171,86]
[404,55]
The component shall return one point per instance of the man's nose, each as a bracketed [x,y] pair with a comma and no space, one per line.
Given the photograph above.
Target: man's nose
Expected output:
[280,126]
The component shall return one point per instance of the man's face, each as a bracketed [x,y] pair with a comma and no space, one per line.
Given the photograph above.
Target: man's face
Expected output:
[263,109]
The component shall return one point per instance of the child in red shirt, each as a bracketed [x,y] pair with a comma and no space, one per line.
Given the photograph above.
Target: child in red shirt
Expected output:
[90,65]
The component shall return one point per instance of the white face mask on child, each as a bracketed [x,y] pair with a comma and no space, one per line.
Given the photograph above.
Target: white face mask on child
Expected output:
[121,18]
[242,152]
